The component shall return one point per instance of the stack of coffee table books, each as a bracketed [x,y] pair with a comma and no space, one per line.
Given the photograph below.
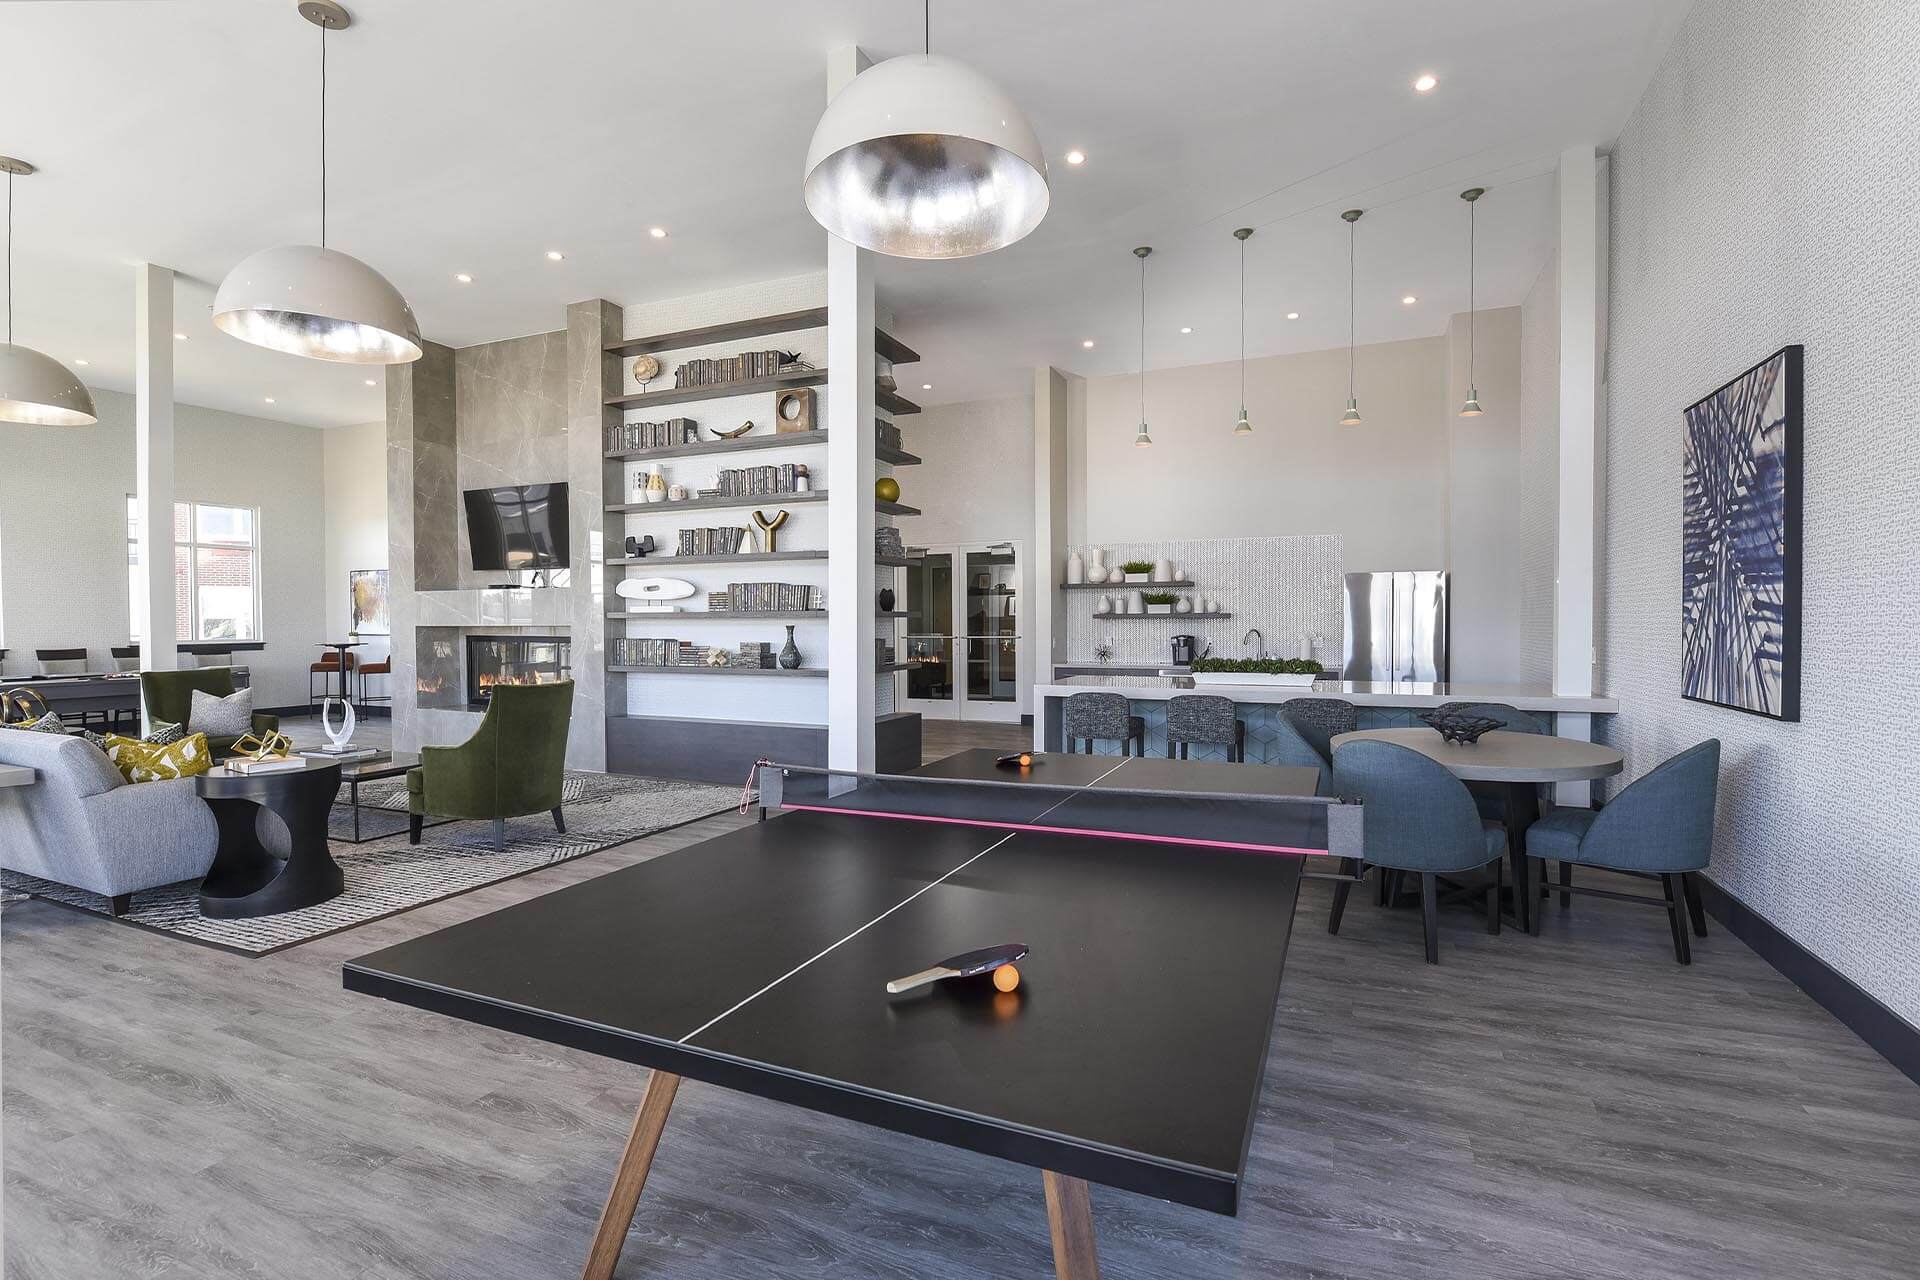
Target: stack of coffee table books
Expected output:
[342,754]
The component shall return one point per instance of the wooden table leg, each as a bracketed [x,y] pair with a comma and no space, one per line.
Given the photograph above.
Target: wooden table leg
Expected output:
[1070,1216]
[631,1177]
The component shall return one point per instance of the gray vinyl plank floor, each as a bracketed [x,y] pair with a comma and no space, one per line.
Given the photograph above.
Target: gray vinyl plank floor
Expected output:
[1570,1105]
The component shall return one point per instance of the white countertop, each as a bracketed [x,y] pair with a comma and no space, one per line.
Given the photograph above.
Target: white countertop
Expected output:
[1362,693]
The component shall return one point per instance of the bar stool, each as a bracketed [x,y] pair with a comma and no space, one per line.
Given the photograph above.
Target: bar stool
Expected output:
[384,667]
[1104,716]
[1206,719]
[326,669]
[71,662]
[126,659]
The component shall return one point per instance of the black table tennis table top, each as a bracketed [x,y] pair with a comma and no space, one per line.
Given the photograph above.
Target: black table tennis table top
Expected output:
[1132,1054]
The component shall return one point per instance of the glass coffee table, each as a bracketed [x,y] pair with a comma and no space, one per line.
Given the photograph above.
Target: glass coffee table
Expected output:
[392,764]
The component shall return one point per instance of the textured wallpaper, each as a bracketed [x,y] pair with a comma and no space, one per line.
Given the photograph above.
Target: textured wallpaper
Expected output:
[1765,193]
[1539,500]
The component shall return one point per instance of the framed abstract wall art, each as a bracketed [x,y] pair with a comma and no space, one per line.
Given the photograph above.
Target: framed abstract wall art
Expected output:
[1740,542]
[367,594]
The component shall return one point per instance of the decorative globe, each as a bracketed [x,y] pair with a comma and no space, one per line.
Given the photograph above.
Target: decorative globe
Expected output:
[887,489]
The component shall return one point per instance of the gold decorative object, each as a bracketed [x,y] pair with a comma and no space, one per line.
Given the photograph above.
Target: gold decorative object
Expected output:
[717,657]
[645,370]
[793,409]
[734,434]
[887,489]
[768,528]
[15,709]
[272,746]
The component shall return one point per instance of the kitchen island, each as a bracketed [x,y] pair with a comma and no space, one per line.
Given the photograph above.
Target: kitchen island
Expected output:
[1380,705]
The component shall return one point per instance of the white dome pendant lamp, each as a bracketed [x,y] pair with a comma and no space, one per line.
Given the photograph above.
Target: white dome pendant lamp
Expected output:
[310,300]
[35,389]
[1142,440]
[921,156]
[1471,409]
[1243,427]
[1351,418]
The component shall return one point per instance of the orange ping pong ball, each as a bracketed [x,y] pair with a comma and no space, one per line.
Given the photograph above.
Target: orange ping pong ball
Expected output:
[1006,977]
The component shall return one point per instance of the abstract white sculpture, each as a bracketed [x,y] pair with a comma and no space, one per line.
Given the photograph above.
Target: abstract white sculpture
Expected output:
[337,739]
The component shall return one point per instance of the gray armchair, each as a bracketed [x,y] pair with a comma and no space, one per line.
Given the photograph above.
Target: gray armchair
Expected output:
[79,823]
[1419,819]
[1659,827]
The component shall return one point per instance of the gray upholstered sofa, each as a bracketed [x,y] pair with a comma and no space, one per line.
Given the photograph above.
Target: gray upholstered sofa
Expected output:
[79,823]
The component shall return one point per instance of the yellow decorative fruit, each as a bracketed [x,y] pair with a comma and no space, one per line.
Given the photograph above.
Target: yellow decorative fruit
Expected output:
[887,489]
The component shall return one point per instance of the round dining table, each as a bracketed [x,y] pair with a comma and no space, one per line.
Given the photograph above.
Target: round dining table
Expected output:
[1517,763]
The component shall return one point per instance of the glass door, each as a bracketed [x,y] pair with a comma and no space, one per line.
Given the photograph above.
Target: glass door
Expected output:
[963,633]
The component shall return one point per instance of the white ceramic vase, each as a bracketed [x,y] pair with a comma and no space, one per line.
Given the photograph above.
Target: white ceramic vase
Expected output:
[1103,606]
[1183,605]
[1163,571]
[1097,566]
[1134,603]
[1076,569]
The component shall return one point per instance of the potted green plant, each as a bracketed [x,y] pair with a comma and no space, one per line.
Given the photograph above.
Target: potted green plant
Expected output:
[1159,601]
[1299,672]
[1137,570]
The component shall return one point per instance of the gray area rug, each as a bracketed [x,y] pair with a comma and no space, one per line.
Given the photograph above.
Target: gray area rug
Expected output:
[388,875]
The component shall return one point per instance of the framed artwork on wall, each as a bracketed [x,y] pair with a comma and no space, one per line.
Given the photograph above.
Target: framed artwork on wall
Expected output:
[367,594]
[1740,542]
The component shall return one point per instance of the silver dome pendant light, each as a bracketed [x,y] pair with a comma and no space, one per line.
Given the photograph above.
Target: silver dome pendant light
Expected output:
[1142,440]
[1351,418]
[923,157]
[1471,409]
[310,300]
[35,389]
[1243,427]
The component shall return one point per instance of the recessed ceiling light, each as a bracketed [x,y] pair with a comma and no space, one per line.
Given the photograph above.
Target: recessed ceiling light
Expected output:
[1186,328]
[81,363]
[1425,82]
[1409,300]
[1087,343]
[269,399]
[179,337]
[926,386]
[658,233]
[370,382]
[464,278]
[1293,315]
[1076,156]
[554,255]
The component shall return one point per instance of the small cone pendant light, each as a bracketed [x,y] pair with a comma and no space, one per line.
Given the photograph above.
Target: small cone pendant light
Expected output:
[1243,427]
[1351,418]
[1142,440]
[35,389]
[1471,409]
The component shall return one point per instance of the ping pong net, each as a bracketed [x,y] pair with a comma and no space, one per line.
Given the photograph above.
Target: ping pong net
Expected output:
[1102,806]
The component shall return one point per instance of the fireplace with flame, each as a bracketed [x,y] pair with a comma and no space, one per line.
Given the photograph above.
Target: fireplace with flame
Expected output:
[498,660]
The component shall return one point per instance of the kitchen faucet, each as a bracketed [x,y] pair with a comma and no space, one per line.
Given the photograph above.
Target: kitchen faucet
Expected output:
[1253,633]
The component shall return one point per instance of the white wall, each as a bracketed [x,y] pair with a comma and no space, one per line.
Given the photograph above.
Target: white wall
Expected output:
[1539,503]
[1485,478]
[354,468]
[64,516]
[975,483]
[1764,193]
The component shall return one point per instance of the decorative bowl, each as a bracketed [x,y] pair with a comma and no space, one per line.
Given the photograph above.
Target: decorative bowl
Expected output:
[1457,727]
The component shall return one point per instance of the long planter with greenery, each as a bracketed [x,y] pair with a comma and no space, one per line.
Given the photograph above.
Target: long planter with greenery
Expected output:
[1259,666]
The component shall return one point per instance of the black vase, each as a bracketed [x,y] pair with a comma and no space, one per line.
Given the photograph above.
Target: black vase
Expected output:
[886,599]
[790,652]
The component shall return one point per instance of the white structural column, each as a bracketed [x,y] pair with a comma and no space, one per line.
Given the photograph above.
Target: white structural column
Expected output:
[1046,616]
[851,625]
[153,448]
[1577,191]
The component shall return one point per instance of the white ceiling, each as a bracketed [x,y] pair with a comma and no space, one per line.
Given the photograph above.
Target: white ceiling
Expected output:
[475,135]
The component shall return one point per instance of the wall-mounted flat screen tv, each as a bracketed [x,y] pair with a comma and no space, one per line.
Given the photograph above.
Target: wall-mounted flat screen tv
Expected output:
[518,527]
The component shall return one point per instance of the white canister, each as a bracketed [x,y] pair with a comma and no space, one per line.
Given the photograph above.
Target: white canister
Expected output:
[1163,570]
[1134,603]
[1076,569]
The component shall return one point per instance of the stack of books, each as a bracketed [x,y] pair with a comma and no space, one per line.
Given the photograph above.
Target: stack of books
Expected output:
[711,542]
[740,368]
[630,652]
[773,597]
[348,752]
[741,482]
[270,764]
[752,655]
[625,437]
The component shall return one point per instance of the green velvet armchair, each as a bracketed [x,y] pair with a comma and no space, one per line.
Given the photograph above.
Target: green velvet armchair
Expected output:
[169,697]
[513,764]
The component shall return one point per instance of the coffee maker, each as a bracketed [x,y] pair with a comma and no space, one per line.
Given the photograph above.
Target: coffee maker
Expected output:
[1185,651]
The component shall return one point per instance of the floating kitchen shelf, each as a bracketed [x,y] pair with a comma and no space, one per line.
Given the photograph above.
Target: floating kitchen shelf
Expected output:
[894,508]
[1170,617]
[885,345]
[1126,586]
[714,504]
[745,444]
[745,557]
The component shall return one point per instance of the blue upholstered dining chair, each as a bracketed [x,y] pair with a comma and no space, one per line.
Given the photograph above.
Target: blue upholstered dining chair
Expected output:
[1418,818]
[1303,730]
[1660,827]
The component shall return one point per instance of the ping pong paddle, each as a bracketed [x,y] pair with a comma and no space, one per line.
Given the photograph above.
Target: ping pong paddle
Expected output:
[964,965]
[1018,760]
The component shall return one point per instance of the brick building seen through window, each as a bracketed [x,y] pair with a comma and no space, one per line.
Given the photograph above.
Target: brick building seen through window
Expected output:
[216,575]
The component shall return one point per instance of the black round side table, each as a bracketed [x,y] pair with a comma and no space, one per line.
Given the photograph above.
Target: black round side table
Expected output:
[246,878]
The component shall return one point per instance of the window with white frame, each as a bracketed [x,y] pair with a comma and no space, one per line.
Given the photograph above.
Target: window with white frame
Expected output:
[216,571]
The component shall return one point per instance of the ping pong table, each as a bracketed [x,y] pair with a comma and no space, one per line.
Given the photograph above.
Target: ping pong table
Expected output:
[1156,896]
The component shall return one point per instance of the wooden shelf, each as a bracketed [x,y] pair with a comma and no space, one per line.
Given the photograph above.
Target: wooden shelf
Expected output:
[715,504]
[889,613]
[1171,617]
[889,668]
[1127,586]
[894,403]
[720,390]
[692,670]
[745,444]
[745,557]
[898,457]
[893,562]
[885,344]
[704,615]
[894,508]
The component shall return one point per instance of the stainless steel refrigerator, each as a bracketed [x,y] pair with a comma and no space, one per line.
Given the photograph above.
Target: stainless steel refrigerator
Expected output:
[1396,626]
